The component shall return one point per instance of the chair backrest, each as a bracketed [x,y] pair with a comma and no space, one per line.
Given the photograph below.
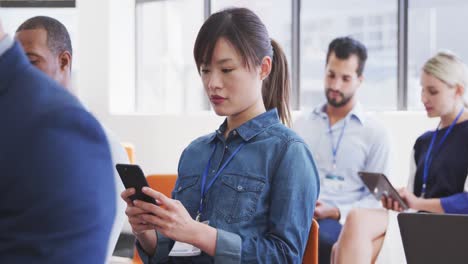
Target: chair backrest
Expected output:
[130,149]
[163,183]
[311,252]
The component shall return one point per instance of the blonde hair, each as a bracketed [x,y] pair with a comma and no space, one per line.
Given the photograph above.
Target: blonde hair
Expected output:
[448,68]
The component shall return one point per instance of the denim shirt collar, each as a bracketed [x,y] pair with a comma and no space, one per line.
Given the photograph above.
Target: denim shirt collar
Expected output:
[251,128]
[357,113]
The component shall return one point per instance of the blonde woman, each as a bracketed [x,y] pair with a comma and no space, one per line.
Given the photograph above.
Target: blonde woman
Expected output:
[438,181]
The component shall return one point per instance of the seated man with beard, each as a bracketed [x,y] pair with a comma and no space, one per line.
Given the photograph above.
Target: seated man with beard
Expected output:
[343,140]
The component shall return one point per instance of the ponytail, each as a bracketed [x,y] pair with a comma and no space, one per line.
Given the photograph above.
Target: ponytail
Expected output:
[277,86]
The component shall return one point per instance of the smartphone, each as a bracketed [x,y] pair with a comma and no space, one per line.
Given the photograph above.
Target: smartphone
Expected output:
[379,186]
[133,177]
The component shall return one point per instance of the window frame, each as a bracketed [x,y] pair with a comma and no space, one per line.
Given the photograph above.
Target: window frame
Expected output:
[402,50]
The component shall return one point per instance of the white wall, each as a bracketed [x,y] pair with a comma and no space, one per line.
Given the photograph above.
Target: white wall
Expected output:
[404,128]
[106,35]
[107,50]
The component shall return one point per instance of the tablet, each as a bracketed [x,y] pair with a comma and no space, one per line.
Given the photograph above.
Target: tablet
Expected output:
[380,186]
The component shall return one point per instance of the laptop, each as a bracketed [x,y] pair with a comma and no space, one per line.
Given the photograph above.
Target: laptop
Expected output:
[434,238]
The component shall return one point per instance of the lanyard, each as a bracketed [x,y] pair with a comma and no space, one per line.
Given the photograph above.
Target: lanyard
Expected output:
[205,188]
[429,156]
[335,148]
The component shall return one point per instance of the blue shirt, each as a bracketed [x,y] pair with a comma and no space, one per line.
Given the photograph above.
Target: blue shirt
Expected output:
[447,178]
[262,204]
[58,203]
[364,147]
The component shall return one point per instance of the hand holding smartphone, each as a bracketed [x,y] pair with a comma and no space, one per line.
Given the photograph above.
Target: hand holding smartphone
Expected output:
[133,177]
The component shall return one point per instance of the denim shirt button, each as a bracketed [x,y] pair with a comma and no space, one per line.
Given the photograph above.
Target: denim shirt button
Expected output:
[240,188]
[180,188]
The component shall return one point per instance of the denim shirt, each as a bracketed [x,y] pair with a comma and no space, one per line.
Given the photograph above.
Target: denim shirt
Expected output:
[261,204]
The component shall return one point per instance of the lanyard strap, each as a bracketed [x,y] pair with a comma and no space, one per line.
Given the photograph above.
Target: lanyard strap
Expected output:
[204,187]
[333,147]
[430,156]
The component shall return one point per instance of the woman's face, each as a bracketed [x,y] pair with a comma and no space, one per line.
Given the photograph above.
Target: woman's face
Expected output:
[438,98]
[231,86]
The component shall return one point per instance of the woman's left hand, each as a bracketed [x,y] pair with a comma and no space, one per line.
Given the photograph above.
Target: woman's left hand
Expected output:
[170,218]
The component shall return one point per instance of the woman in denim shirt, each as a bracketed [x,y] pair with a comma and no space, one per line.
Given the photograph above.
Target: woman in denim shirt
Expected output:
[253,180]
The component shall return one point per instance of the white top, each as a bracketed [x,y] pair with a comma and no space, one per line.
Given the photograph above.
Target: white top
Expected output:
[119,155]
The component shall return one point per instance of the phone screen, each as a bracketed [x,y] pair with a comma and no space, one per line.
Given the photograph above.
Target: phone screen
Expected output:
[133,177]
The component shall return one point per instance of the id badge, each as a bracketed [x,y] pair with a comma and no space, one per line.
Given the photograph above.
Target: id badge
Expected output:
[333,181]
[181,249]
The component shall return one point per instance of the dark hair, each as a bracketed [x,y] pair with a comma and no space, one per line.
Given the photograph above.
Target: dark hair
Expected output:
[58,39]
[249,36]
[344,47]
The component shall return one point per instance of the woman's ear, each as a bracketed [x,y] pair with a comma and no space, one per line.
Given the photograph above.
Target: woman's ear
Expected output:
[460,90]
[265,67]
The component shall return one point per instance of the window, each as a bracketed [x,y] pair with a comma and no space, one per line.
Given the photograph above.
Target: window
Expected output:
[374,23]
[167,80]
[275,14]
[433,25]
[12,18]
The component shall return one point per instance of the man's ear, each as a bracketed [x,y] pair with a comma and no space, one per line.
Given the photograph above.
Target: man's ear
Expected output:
[361,78]
[65,60]
[2,32]
[265,67]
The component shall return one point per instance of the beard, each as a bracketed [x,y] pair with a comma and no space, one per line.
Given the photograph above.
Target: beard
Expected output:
[343,100]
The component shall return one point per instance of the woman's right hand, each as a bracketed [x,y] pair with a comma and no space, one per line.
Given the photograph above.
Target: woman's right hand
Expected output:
[144,232]
[134,214]
[408,197]
[391,204]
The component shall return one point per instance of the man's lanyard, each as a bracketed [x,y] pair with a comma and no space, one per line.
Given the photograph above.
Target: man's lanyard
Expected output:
[204,189]
[333,147]
[429,156]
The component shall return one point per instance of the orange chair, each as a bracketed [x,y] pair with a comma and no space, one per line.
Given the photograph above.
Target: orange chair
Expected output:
[311,252]
[163,183]
[130,149]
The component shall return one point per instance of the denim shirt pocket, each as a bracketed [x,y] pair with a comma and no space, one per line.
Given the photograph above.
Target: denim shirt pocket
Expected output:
[240,196]
[186,190]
